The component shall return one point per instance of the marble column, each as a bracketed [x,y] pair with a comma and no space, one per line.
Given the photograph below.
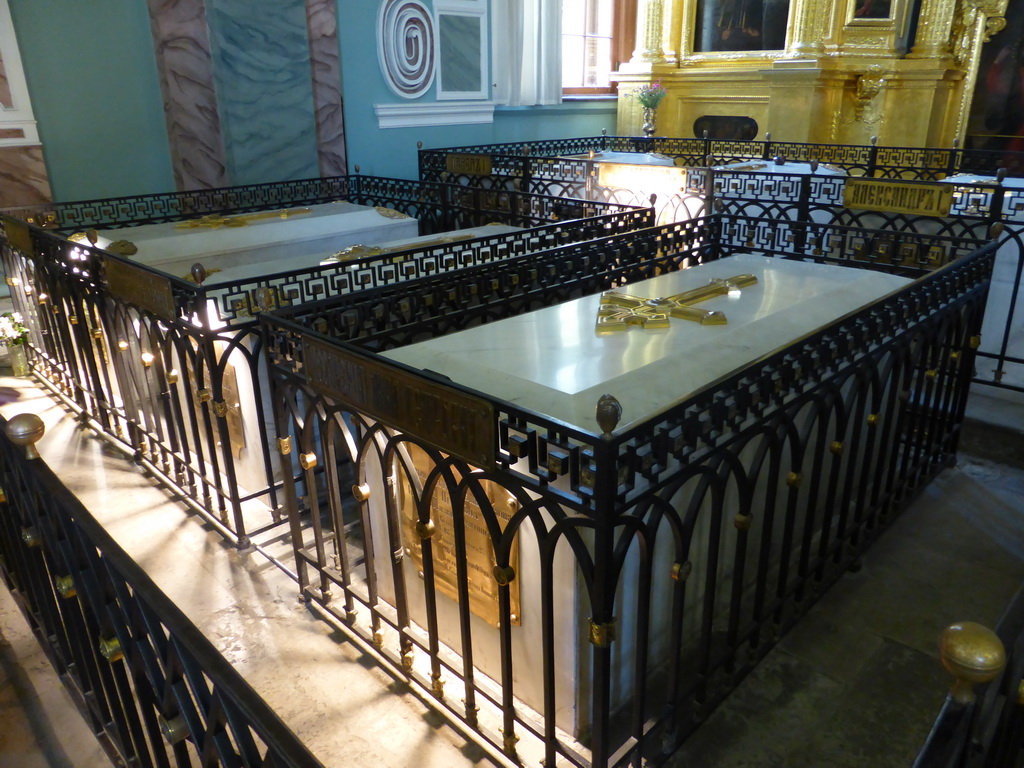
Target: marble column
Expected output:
[23,179]
[324,59]
[182,47]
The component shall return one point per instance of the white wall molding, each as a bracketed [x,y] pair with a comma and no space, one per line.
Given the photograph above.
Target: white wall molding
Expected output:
[434,113]
[17,117]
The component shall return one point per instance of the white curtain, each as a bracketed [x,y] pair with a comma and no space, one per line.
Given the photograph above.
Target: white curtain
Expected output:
[527,44]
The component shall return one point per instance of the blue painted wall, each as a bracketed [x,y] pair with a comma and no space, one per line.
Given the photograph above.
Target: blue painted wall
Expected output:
[95,91]
[392,151]
[93,82]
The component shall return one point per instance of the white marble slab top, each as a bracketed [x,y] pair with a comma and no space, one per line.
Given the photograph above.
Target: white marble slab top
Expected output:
[1012,182]
[174,248]
[769,166]
[627,158]
[552,361]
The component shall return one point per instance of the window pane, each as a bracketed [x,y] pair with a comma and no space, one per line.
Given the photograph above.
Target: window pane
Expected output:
[572,61]
[587,32]
[598,62]
[603,14]
[574,16]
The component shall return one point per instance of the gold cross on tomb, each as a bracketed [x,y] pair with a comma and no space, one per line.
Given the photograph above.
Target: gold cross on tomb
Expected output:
[618,311]
[215,221]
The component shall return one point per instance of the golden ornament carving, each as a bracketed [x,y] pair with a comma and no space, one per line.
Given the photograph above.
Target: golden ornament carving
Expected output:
[389,213]
[122,248]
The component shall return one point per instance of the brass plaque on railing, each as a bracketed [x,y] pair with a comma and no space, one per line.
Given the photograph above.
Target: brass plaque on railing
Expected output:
[482,584]
[18,235]
[142,288]
[472,165]
[455,422]
[898,197]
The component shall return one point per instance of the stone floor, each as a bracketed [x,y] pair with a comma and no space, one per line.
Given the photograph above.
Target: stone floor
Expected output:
[856,684]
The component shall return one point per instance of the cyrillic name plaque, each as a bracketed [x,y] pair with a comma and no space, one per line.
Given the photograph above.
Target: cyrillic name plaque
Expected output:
[141,287]
[898,197]
[472,165]
[455,422]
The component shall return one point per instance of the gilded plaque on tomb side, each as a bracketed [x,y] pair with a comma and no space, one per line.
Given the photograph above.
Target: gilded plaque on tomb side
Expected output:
[480,559]
[229,408]
[142,288]
[898,197]
[456,422]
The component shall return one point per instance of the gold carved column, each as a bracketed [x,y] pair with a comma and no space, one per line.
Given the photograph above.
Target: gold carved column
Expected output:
[809,23]
[934,29]
[650,45]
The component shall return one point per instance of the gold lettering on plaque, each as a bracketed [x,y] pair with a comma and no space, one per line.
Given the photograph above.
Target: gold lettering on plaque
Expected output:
[141,287]
[472,165]
[898,197]
[453,421]
[480,558]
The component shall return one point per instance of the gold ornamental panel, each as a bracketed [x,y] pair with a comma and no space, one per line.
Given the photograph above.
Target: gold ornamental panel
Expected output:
[480,559]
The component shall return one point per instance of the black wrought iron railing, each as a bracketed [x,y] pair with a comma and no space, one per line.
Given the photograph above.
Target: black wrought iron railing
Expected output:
[629,578]
[985,729]
[766,182]
[529,159]
[155,691]
[169,370]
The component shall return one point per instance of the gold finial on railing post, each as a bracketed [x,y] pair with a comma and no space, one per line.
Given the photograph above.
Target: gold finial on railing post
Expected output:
[608,413]
[973,654]
[198,273]
[25,429]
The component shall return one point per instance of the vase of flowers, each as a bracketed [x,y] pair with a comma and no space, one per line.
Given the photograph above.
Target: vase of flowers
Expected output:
[14,336]
[649,97]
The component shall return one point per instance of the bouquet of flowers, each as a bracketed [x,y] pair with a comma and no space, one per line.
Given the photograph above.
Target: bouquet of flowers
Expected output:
[650,96]
[12,330]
